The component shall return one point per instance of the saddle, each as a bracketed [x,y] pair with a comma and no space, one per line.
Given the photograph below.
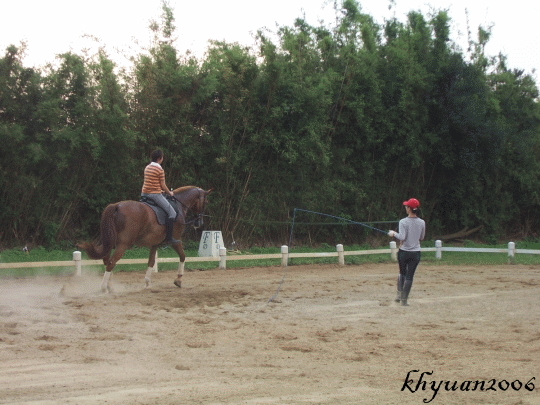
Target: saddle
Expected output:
[161,214]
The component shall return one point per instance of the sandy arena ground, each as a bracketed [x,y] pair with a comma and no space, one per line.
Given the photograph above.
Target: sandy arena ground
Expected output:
[333,335]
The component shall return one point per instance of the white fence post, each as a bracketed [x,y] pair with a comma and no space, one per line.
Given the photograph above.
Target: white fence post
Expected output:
[222,258]
[393,250]
[438,251]
[511,252]
[284,255]
[340,255]
[77,260]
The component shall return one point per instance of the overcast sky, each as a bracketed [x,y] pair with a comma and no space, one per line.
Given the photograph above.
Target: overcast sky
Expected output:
[56,26]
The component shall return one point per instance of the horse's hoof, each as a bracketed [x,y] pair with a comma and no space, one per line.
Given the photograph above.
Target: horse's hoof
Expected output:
[147,283]
[178,283]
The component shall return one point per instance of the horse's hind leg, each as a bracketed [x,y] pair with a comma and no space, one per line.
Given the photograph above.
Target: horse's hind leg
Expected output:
[106,282]
[151,265]
[180,250]
[109,266]
[107,275]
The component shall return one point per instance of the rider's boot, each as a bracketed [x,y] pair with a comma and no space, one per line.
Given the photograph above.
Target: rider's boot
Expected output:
[169,225]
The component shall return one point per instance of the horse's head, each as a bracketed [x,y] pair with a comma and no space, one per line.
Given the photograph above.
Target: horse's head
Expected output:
[199,207]
[194,199]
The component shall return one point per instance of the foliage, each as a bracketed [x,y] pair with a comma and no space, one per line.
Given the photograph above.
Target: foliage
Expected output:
[347,120]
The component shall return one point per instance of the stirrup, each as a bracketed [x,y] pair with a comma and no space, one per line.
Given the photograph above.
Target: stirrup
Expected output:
[171,241]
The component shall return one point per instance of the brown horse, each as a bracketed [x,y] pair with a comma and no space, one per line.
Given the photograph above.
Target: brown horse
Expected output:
[129,223]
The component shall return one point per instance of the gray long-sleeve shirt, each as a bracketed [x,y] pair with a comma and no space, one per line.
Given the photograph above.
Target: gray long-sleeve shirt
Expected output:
[411,231]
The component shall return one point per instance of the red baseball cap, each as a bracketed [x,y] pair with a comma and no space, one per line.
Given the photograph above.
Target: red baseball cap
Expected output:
[413,203]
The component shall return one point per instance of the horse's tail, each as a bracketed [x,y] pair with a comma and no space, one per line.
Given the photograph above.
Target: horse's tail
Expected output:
[107,238]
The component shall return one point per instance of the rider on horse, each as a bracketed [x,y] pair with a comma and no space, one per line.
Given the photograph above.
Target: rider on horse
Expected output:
[154,184]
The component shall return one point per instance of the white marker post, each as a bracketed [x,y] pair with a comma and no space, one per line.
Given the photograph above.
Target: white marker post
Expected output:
[284,255]
[341,256]
[222,258]
[393,251]
[438,251]
[511,253]
[77,260]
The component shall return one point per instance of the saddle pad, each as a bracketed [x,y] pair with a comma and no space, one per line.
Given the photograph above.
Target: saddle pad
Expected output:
[161,216]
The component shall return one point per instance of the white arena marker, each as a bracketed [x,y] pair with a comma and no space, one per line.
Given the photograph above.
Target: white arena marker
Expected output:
[211,242]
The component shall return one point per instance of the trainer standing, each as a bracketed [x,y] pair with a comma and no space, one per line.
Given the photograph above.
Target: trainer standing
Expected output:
[412,230]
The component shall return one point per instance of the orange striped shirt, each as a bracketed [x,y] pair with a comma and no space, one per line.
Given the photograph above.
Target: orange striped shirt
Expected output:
[153,175]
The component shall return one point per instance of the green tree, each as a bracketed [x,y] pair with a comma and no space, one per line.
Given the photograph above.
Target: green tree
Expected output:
[20,149]
[347,120]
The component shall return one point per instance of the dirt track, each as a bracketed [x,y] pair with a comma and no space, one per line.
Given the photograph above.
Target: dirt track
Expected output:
[332,335]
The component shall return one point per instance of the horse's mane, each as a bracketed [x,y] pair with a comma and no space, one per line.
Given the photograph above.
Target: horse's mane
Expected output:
[183,189]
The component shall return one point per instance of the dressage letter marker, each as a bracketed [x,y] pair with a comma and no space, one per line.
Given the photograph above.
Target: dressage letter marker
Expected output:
[211,242]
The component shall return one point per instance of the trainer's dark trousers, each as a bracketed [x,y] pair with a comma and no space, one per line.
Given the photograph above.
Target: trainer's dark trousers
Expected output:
[408,262]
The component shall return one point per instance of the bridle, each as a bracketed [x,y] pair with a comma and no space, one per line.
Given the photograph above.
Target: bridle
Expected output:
[198,220]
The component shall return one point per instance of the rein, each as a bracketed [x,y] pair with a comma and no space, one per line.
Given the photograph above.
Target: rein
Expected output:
[199,215]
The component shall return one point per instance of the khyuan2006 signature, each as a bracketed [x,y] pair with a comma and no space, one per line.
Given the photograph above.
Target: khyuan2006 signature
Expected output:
[423,384]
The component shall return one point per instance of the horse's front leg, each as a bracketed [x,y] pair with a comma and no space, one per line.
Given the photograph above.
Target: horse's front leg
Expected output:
[151,266]
[180,250]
